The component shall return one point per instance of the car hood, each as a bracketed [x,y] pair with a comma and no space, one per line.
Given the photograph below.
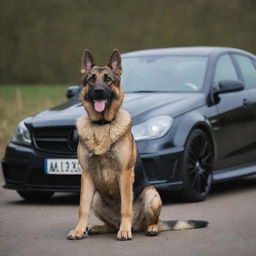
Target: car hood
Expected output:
[140,105]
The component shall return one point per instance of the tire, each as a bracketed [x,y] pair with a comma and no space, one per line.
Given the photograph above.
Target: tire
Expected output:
[35,196]
[197,167]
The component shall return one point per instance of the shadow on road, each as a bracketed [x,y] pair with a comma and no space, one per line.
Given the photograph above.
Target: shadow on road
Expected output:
[57,199]
[234,186]
[218,190]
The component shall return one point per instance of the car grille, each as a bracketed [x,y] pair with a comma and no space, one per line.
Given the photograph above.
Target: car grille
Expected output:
[63,140]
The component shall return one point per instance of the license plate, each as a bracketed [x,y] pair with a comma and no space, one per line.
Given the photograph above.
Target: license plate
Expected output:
[62,167]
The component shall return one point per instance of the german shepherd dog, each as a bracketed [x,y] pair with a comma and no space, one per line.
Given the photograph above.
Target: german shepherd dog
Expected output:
[113,181]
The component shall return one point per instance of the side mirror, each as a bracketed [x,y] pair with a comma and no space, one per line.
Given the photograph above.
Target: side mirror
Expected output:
[225,86]
[230,86]
[73,91]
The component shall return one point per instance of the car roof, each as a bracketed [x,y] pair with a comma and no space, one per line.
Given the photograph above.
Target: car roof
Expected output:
[195,50]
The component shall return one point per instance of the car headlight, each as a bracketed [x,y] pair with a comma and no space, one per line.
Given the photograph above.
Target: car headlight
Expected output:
[153,128]
[21,135]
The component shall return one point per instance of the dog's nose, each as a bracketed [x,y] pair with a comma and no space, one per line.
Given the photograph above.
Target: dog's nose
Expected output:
[99,90]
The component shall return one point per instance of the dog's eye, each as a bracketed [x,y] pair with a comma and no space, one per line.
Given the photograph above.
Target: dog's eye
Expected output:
[91,78]
[107,78]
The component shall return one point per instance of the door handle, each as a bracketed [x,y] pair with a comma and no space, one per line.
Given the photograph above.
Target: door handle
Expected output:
[246,103]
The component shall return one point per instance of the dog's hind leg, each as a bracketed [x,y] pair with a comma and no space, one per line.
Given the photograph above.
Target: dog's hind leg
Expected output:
[106,214]
[151,209]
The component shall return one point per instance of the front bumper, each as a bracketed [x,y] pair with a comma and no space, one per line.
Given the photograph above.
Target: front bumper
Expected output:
[23,169]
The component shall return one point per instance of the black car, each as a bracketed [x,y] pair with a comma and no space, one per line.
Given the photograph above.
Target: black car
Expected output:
[194,119]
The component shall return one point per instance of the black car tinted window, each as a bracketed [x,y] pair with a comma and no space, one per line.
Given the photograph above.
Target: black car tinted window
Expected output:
[225,69]
[164,73]
[248,70]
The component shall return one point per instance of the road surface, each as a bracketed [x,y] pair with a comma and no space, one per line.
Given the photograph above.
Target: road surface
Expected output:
[40,229]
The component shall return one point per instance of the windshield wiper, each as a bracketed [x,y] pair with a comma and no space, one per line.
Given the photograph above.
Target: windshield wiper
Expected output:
[142,91]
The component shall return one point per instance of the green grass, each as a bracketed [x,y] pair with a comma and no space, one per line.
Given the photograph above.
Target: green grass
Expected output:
[18,102]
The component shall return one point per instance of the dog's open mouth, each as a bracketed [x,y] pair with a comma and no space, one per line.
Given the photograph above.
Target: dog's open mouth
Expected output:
[100,105]
[100,100]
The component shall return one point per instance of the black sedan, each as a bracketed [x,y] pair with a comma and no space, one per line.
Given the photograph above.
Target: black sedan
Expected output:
[194,119]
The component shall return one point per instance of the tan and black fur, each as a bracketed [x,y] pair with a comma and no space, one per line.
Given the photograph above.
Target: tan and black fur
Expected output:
[107,154]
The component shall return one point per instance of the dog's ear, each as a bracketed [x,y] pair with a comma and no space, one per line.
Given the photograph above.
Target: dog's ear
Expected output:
[115,62]
[87,62]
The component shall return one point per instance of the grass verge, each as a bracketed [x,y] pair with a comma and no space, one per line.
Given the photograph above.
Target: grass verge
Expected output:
[18,102]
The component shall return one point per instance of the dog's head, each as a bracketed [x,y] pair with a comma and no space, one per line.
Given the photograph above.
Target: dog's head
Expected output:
[101,94]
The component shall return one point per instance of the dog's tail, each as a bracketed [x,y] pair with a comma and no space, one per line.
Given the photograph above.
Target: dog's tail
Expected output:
[181,225]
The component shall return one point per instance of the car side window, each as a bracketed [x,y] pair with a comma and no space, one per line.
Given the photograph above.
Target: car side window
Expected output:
[248,70]
[225,69]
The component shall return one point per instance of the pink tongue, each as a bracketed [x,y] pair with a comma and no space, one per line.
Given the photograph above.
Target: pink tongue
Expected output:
[99,105]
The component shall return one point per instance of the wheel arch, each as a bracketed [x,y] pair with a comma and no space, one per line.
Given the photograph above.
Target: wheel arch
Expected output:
[207,131]
[191,122]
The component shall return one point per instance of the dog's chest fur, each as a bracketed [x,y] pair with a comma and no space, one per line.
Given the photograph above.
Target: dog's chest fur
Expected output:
[104,171]
[102,156]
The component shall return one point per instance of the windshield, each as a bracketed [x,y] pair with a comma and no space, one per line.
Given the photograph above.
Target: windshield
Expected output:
[163,73]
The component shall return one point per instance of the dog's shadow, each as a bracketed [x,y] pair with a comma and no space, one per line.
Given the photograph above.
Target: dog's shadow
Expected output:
[218,190]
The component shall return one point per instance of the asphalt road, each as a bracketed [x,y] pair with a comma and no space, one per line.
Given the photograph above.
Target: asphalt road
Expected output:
[41,229]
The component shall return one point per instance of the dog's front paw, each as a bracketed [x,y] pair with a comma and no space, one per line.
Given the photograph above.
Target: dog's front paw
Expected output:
[76,235]
[124,235]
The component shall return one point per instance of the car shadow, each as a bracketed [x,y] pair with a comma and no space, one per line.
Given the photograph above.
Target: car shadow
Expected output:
[218,190]
[57,199]
[234,186]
